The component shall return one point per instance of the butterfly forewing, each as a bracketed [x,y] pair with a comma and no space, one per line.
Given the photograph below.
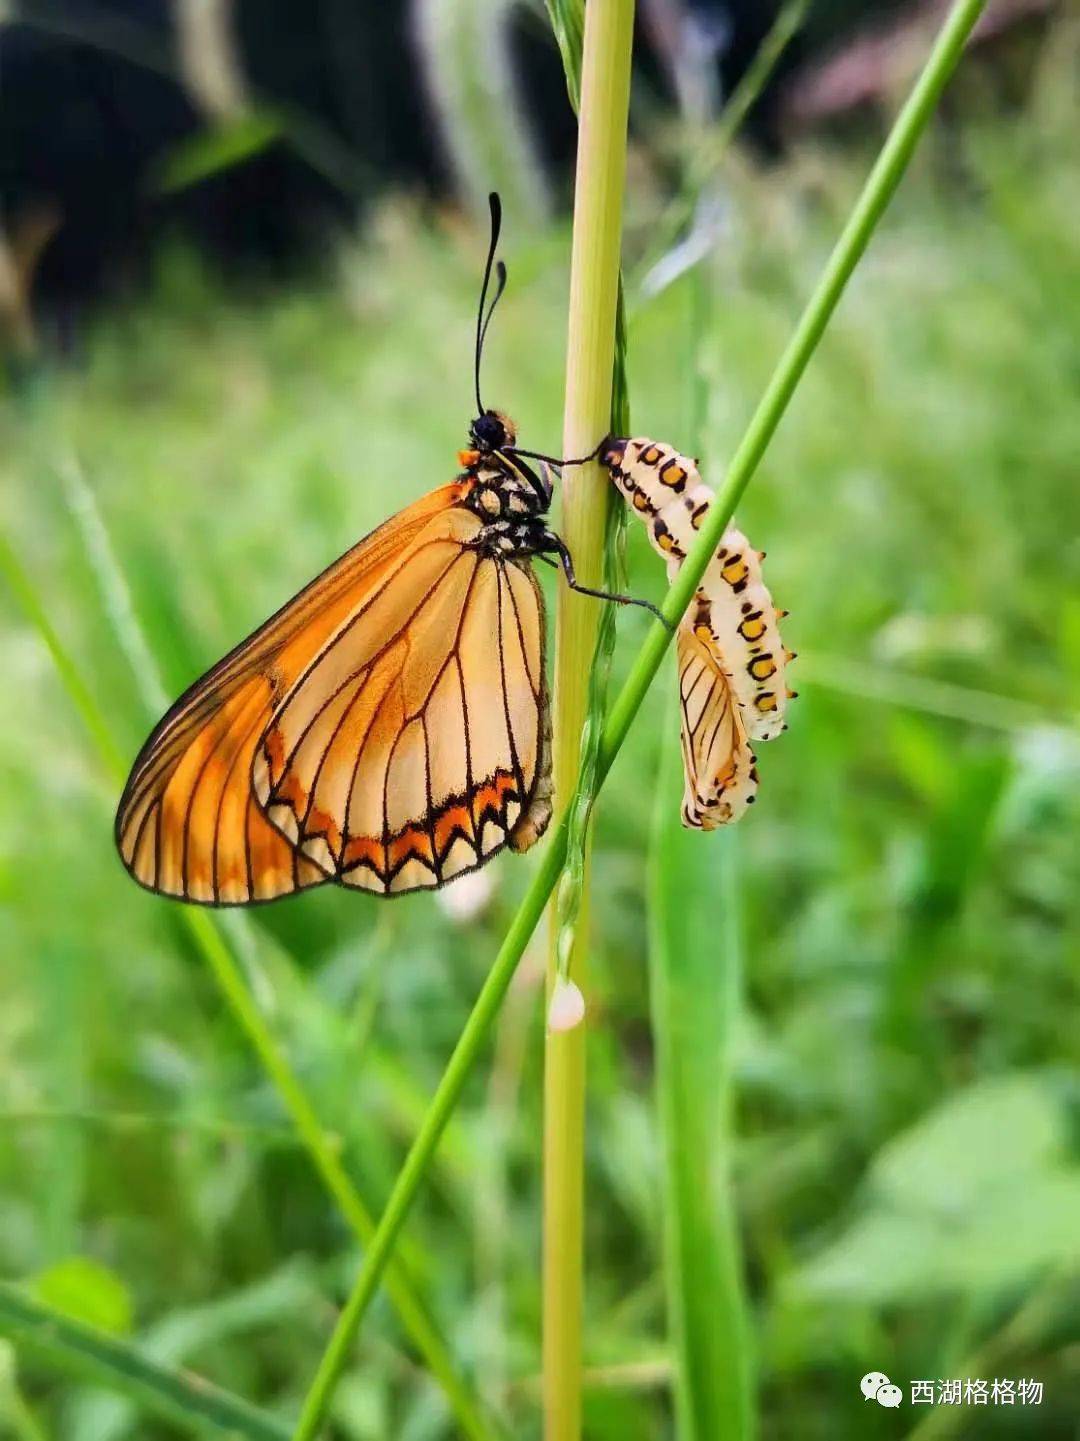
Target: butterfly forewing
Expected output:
[351,737]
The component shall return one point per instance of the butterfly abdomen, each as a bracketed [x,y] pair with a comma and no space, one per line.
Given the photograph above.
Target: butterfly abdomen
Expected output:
[664,489]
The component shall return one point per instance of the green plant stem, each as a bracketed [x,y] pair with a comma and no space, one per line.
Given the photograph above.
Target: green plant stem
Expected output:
[875,196]
[594,290]
[179,1396]
[322,1149]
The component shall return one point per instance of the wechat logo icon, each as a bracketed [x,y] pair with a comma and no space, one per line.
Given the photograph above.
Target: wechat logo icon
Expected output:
[876,1386]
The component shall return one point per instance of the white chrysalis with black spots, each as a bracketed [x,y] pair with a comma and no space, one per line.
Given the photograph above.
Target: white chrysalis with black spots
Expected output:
[729,639]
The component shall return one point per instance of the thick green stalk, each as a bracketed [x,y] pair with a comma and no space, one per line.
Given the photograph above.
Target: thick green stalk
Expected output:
[876,193]
[217,954]
[594,290]
[179,1396]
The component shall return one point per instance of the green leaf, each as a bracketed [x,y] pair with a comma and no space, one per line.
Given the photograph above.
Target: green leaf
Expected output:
[85,1290]
[71,1346]
[998,1134]
[568,22]
[209,152]
[976,1197]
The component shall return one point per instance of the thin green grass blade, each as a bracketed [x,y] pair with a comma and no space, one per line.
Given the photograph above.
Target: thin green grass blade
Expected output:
[469,70]
[15,1410]
[179,1396]
[111,582]
[210,152]
[568,22]
[694,966]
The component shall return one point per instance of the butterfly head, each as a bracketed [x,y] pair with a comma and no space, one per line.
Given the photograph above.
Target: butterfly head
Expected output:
[491,430]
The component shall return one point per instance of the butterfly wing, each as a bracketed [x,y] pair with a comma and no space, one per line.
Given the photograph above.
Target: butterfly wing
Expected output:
[721,774]
[188,824]
[415,746]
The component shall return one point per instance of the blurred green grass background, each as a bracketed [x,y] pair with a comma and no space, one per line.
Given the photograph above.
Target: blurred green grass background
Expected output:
[907,1179]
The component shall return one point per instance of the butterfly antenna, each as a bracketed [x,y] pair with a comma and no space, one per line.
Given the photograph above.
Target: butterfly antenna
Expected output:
[481,319]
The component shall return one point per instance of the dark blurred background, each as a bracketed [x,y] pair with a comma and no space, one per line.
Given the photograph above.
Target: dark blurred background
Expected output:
[256,130]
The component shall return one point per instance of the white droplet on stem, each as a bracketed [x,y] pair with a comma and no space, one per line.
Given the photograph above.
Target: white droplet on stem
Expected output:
[567,1008]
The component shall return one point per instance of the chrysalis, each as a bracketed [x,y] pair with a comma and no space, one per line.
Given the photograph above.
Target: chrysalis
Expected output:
[730,655]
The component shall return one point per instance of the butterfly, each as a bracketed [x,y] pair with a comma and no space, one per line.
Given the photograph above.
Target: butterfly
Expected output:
[388,729]
[731,660]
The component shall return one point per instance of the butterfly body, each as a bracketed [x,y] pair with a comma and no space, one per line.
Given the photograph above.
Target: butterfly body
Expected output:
[731,658]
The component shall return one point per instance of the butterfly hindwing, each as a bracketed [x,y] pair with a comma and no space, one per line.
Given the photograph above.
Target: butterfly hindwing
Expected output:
[410,750]
[719,766]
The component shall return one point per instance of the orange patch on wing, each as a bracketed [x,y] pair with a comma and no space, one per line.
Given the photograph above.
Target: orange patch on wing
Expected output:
[274,744]
[451,822]
[293,793]
[365,851]
[407,844]
[491,795]
[322,822]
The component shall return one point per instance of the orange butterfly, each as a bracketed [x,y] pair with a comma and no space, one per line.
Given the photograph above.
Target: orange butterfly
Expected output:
[388,729]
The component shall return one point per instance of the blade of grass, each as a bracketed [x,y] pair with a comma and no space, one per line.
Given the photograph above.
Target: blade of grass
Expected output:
[208,152]
[875,196]
[179,1396]
[894,687]
[694,967]
[470,76]
[135,42]
[111,582]
[322,1149]
[712,145]
[15,1410]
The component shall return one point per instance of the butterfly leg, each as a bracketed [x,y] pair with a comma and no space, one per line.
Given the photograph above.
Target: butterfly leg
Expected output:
[555,545]
[558,461]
